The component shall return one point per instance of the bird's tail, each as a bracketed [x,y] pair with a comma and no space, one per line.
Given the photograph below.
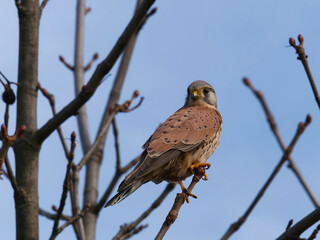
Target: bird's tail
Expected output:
[124,193]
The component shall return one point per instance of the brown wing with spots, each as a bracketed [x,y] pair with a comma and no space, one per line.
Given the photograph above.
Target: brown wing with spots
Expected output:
[184,130]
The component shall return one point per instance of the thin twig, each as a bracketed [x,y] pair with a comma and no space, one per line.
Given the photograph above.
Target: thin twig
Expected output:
[52,216]
[51,100]
[43,4]
[301,226]
[303,57]
[314,233]
[11,176]
[8,141]
[65,188]
[75,219]
[94,57]
[277,134]
[235,226]
[76,202]
[65,63]
[101,71]
[179,201]
[119,108]
[129,228]
[119,172]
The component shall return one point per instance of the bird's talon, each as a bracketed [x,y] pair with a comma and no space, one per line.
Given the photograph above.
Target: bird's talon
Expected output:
[205,177]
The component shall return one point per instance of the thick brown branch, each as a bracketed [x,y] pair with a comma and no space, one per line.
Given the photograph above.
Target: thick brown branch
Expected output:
[303,57]
[301,226]
[178,202]
[235,226]
[126,229]
[102,70]
[277,134]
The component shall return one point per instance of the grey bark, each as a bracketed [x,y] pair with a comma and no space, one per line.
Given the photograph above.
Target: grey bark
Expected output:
[93,165]
[26,150]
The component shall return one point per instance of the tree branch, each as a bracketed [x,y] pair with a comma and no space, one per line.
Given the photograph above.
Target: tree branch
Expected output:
[43,4]
[75,219]
[179,201]
[305,223]
[303,58]
[277,134]
[65,188]
[51,216]
[235,226]
[102,69]
[51,100]
[127,229]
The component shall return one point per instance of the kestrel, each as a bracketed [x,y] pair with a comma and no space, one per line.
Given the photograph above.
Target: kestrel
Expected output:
[179,145]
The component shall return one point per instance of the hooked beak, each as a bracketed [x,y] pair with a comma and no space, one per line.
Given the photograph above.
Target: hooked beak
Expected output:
[195,95]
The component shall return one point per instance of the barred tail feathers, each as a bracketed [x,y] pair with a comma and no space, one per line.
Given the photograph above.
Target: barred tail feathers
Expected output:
[124,193]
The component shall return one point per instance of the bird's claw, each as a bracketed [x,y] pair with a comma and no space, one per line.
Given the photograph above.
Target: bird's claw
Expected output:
[188,194]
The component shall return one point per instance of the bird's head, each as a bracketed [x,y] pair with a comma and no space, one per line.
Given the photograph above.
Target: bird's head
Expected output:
[201,93]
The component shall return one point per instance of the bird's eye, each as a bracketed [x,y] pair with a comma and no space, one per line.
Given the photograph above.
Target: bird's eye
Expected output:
[206,90]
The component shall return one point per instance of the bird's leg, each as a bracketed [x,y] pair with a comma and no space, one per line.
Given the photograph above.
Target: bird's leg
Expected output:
[186,192]
[206,165]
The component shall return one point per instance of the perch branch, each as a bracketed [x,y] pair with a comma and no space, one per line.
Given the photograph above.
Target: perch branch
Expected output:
[277,134]
[303,58]
[314,233]
[179,201]
[127,229]
[235,226]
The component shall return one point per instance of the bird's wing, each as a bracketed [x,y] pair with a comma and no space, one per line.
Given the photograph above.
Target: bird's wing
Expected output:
[184,130]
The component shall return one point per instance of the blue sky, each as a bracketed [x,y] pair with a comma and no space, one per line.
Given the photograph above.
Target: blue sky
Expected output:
[216,41]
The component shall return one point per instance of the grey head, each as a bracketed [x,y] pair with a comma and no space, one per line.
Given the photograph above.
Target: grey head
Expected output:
[201,93]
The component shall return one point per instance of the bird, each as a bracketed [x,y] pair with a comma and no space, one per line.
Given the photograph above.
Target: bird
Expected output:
[179,145]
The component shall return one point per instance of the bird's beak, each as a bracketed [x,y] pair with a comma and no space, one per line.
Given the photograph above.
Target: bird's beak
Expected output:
[195,95]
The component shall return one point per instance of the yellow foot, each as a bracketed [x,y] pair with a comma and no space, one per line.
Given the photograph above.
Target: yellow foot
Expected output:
[187,194]
[206,165]
[205,177]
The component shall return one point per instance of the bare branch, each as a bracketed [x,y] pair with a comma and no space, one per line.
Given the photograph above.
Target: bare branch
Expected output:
[51,100]
[11,176]
[75,219]
[179,201]
[235,226]
[301,226]
[126,229]
[303,58]
[94,57]
[43,4]
[277,134]
[65,188]
[102,70]
[314,233]
[52,216]
[131,233]
[8,141]
[65,63]
[75,201]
